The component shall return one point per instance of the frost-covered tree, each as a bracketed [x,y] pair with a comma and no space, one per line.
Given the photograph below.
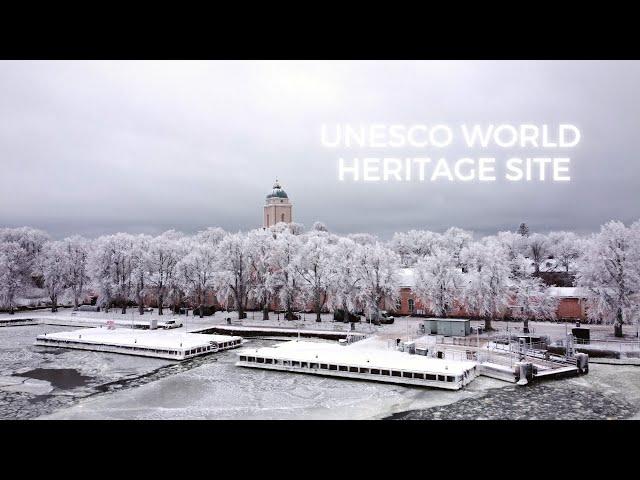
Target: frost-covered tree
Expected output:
[139,273]
[565,247]
[14,270]
[320,227]
[100,271]
[260,243]
[77,253]
[454,240]
[610,270]
[414,245]
[538,250]
[31,240]
[113,262]
[512,243]
[283,280]
[485,290]
[363,238]
[52,263]
[233,271]
[438,282]
[313,266]
[196,271]
[531,301]
[523,230]
[344,289]
[175,288]
[160,263]
[211,236]
[377,268]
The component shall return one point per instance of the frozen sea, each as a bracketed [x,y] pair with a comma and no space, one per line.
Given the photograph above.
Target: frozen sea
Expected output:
[50,383]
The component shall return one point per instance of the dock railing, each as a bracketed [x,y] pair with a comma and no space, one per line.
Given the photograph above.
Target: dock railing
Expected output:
[624,348]
[499,349]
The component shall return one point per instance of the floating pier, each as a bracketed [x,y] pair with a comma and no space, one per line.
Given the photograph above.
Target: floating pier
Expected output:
[18,322]
[502,364]
[260,331]
[334,360]
[170,345]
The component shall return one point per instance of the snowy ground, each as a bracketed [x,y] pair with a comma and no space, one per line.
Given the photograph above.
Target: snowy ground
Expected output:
[403,327]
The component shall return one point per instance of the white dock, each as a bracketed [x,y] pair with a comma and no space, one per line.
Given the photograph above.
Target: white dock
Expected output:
[373,364]
[172,345]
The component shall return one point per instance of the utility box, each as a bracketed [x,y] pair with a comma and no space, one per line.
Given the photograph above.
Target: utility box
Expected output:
[153,324]
[581,334]
[448,327]
[409,347]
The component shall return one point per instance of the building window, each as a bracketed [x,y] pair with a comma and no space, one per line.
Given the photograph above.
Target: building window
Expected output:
[282,217]
[399,305]
[411,305]
[267,219]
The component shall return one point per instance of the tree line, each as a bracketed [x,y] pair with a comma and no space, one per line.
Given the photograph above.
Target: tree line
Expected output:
[489,277]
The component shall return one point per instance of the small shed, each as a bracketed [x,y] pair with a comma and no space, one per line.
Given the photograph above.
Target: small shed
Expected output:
[449,327]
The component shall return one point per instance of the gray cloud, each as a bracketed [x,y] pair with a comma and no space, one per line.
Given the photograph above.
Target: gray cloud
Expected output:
[95,147]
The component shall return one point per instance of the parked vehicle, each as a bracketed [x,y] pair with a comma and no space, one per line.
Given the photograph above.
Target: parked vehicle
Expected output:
[171,324]
[342,316]
[385,318]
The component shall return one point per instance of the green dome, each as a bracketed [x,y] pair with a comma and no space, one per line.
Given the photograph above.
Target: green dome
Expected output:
[277,192]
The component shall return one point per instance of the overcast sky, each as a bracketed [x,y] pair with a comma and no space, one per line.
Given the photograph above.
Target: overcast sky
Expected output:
[100,147]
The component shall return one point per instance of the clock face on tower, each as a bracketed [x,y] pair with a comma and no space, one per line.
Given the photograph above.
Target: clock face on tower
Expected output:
[278,207]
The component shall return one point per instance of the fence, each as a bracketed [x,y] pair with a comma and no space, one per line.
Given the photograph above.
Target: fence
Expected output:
[616,348]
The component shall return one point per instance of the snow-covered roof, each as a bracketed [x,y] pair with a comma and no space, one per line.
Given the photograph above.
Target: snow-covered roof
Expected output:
[333,353]
[567,292]
[407,278]
[160,339]
[440,319]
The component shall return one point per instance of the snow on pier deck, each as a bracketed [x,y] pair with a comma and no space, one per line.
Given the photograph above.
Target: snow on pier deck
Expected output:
[374,364]
[261,331]
[172,345]
[80,321]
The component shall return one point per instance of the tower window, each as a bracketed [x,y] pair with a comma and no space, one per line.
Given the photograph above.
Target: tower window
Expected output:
[267,219]
[282,217]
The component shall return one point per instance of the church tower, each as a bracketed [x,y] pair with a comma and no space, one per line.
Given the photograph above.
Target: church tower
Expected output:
[277,207]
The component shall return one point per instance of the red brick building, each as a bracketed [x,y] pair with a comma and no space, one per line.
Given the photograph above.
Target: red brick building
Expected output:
[571,306]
